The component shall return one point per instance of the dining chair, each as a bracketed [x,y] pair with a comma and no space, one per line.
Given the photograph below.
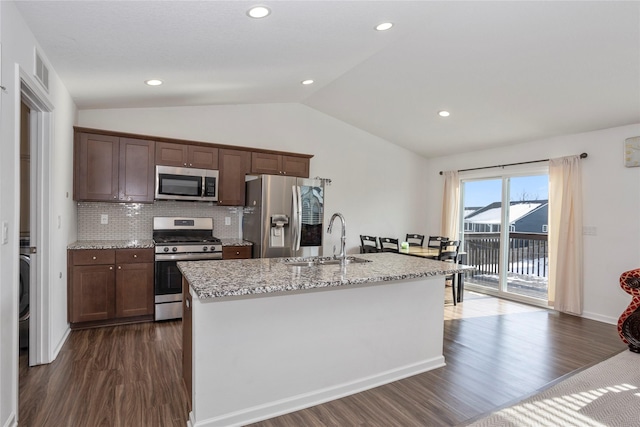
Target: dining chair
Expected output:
[368,244]
[388,244]
[448,252]
[415,239]
[434,241]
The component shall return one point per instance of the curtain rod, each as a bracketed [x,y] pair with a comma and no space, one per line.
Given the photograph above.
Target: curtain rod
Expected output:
[582,156]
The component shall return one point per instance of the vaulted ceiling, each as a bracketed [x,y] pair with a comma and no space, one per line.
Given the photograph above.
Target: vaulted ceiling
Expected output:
[507,72]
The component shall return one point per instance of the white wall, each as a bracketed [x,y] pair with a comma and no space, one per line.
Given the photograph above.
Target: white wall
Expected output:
[384,190]
[17,54]
[377,186]
[611,204]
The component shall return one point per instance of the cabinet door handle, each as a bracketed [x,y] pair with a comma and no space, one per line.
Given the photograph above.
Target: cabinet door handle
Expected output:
[110,268]
[237,252]
[187,303]
[115,197]
[119,267]
[135,255]
[94,257]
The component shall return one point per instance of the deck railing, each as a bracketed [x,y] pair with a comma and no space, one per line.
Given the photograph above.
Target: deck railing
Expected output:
[528,254]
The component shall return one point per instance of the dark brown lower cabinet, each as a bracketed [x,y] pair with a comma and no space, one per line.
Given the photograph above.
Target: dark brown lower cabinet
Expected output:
[110,286]
[133,293]
[236,252]
[92,296]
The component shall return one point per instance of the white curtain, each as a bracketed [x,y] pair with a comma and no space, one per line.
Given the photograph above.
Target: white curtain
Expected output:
[565,235]
[451,205]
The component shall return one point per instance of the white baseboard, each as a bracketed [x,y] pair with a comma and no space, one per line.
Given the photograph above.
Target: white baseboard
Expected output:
[58,348]
[296,403]
[11,421]
[600,318]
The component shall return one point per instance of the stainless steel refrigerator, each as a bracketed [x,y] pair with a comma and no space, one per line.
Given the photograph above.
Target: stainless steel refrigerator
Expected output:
[284,216]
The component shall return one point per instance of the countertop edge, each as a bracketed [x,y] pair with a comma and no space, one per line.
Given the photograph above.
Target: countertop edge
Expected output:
[239,278]
[138,244]
[111,244]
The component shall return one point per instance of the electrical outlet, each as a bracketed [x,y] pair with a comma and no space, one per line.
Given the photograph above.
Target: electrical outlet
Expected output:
[104,219]
[227,220]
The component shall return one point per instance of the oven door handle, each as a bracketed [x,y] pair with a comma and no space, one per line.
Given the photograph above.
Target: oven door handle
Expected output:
[188,257]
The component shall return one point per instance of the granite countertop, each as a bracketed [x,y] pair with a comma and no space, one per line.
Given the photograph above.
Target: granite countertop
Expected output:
[137,244]
[111,244]
[217,279]
[235,242]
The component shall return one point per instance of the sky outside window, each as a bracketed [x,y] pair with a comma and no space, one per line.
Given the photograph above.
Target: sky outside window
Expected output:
[483,192]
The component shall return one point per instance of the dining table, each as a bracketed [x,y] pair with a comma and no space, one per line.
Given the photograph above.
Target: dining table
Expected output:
[421,251]
[433,253]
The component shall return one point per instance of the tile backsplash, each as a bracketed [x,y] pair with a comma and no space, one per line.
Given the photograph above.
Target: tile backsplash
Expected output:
[134,221]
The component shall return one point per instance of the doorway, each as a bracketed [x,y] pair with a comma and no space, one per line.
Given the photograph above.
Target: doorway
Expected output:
[37,124]
[24,259]
[505,223]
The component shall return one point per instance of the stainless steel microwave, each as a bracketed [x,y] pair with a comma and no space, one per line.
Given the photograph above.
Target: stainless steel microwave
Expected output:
[174,183]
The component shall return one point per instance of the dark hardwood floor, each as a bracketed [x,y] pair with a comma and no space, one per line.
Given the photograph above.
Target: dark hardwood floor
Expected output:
[113,376]
[496,352]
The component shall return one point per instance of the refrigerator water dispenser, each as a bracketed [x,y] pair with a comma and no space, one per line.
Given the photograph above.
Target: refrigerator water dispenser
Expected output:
[276,236]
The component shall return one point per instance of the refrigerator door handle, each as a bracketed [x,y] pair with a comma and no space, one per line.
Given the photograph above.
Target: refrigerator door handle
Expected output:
[297,194]
[294,217]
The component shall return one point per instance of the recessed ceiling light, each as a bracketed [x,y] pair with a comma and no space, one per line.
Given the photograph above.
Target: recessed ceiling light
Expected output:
[307,82]
[259,12]
[443,113]
[153,82]
[384,26]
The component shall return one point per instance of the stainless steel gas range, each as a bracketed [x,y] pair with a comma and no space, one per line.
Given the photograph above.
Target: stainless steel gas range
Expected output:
[179,239]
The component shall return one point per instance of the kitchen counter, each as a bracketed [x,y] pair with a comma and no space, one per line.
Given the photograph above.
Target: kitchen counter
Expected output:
[137,244]
[111,244]
[214,279]
[235,242]
[263,339]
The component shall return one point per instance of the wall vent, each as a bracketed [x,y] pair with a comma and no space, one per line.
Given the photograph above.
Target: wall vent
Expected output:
[41,72]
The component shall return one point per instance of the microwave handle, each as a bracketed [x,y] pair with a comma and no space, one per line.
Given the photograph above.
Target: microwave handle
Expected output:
[203,186]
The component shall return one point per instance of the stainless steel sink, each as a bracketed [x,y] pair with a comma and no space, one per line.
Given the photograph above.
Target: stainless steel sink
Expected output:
[310,262]
[301,263]
[348,260]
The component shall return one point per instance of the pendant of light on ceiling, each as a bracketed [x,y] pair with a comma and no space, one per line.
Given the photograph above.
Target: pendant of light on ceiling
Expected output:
[258,12]
[384,26]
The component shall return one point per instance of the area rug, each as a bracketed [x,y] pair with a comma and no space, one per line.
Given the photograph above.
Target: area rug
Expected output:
[606,394]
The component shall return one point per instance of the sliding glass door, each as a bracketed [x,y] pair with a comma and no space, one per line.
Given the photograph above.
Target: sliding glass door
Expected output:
[504,222]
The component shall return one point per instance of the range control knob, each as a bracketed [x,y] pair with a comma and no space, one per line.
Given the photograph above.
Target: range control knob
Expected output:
[204,248]
[174,249]
[166,249]
[213,248]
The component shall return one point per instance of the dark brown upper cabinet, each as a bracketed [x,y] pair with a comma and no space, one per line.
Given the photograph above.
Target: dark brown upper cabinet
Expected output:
[234,166]
[113,169]
[183,155]
[279,164]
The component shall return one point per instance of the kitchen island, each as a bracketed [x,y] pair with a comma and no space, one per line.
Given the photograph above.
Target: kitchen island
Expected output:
[264,338]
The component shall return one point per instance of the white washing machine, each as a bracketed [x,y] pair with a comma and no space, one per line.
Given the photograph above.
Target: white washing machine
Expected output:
[23,310]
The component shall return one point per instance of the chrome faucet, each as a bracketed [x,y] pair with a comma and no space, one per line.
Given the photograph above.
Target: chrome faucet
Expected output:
[343,236]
